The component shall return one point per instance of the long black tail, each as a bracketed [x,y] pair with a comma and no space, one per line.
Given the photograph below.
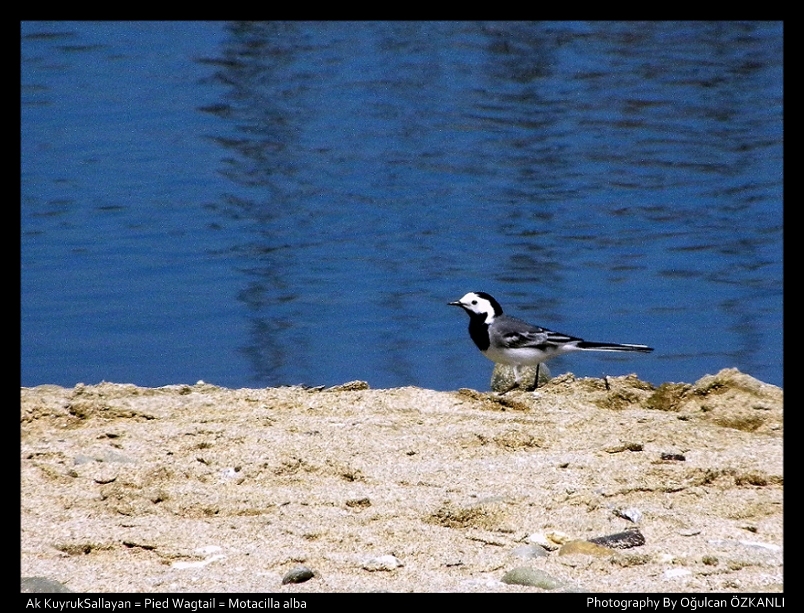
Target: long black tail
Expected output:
[613,347]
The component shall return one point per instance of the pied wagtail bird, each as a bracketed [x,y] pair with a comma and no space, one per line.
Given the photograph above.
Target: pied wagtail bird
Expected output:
[508,340]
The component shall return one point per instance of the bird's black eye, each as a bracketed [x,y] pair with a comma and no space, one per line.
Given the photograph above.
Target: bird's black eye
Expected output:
[474,301]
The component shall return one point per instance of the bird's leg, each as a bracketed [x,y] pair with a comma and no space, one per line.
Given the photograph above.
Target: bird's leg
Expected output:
[536,380]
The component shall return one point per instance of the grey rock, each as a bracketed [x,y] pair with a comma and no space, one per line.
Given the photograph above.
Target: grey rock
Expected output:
[631,514]
[42,585]
[525,575]
[300,574]
[530,551]
[502,378]
[621,540]
[387,562]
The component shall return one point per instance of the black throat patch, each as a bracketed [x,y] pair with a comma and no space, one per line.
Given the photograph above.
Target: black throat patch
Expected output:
[479,331]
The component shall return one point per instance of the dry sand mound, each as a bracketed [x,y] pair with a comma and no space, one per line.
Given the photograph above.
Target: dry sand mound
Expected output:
[193,488]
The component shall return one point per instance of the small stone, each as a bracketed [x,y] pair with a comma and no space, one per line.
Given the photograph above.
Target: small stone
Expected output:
[584,547]
[525,575]
[41,585]
[621,540]
[537,538]
[351,386]
[502,378]
[558,537]
[387,562]
[627,446]
[300,574]
[631,514]
[530,551]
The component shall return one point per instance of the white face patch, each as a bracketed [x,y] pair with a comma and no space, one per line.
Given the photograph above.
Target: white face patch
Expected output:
[474,303]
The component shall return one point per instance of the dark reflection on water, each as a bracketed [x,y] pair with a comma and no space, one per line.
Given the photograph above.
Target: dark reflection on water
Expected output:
[618,181]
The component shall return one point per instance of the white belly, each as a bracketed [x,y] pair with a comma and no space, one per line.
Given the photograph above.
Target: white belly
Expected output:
[525,356]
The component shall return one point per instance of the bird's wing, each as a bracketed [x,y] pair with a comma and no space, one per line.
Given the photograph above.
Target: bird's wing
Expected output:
[516,334]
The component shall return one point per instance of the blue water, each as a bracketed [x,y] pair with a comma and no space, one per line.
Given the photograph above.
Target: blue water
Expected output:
[282,203]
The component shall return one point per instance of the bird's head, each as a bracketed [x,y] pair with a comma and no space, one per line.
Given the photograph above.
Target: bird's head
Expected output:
[479,304]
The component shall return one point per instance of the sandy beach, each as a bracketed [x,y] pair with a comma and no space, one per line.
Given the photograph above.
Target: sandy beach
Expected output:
[197,488]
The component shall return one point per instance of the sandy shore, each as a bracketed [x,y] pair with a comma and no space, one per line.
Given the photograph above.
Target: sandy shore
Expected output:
[196,488]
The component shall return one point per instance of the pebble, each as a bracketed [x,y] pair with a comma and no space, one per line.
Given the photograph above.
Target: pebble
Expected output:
[41,585]
[537,538]
[300,574]
[530,551]
[387,562]
[502,378]
[525,575]
[631,514]
[351,386]
[556,536]
[621,540]
[584,547]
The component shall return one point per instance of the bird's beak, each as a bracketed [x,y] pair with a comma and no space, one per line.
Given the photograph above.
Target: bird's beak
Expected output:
[456,303]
